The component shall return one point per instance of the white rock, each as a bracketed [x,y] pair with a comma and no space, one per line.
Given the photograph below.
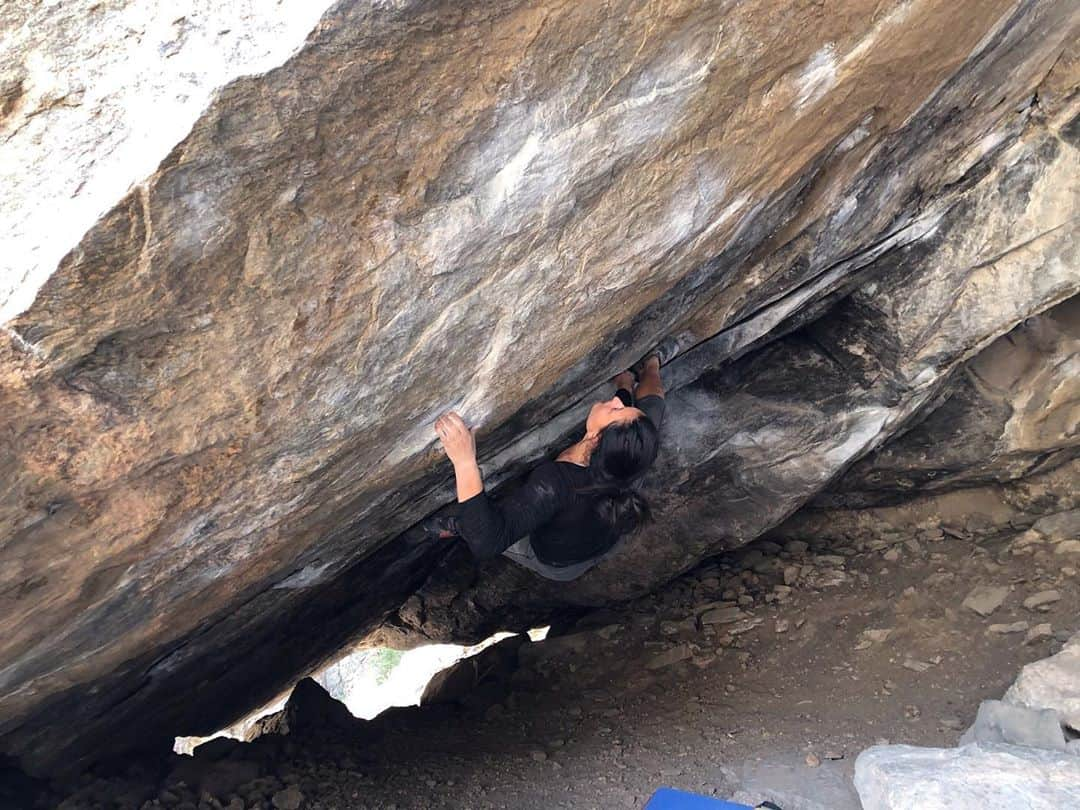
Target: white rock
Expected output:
[1052,683]
[109,89]
[1000,722]
[991,777]
[1041,599]
[985,599]
[916,666]
[868,638]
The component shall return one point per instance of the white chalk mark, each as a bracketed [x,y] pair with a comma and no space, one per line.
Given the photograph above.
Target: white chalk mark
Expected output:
[864,426]
[22,342]
[817,77]
[822,72]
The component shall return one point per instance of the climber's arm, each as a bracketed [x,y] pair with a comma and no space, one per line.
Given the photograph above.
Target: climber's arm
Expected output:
[489,527]
[460,446]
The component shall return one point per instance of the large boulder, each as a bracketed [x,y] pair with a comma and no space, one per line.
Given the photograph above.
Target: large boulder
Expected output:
[1020,752]
[973,777]
[1052,683]
[217,404]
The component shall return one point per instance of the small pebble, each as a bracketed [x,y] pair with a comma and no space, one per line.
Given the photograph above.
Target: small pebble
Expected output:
[916,666]
[1044,630]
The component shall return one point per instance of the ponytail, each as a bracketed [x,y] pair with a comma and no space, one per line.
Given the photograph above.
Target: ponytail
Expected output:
[621,511]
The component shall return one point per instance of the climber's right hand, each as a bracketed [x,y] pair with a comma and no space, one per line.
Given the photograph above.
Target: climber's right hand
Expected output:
[457,440]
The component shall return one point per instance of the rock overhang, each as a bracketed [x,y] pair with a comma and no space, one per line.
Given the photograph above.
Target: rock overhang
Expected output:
[227,382]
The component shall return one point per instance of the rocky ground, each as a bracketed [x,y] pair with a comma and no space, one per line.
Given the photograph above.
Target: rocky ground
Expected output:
[760,674]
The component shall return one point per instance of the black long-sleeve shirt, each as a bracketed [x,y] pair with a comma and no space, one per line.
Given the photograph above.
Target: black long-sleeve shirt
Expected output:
[549,507]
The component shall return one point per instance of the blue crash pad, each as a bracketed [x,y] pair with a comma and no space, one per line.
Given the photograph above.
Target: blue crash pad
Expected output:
[671,799]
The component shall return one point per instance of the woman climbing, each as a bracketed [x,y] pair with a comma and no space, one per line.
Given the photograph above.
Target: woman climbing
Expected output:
[571,511]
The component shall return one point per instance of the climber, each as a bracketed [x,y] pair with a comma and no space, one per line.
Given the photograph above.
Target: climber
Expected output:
[572,511]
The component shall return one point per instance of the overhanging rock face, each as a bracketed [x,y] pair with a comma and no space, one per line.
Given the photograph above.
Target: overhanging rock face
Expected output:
[749,443]
[217,410]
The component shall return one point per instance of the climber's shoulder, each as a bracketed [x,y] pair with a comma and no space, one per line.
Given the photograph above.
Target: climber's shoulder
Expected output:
[558,478]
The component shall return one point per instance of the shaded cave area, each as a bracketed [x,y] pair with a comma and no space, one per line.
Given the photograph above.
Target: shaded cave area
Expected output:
[759,673]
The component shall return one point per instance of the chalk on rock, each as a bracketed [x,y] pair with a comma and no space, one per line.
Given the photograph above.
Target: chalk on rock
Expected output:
[974,777]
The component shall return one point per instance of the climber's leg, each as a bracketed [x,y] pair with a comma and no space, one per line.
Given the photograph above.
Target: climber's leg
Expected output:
[649,378]
[624,387]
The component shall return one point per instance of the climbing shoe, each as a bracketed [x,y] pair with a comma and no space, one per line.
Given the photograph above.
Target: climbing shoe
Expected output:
[666,351]
[441,527]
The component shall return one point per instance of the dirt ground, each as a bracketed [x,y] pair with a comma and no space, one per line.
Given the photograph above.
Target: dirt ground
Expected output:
[770,694]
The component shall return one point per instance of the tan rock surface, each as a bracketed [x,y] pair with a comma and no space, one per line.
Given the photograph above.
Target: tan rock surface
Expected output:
[217,410]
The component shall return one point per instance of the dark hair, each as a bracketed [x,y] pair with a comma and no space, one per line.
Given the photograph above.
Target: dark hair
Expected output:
[624,453]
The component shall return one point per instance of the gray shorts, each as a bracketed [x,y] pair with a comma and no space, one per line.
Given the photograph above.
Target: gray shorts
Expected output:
[522,553]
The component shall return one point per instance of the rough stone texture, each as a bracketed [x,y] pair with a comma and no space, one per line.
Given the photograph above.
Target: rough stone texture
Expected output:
[217,409]
[748,444]
[93,94]
[1000,722]
[1059,528]
[995,454]
[974,777]
[1012,412]
[1053,683]
[1019,752]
